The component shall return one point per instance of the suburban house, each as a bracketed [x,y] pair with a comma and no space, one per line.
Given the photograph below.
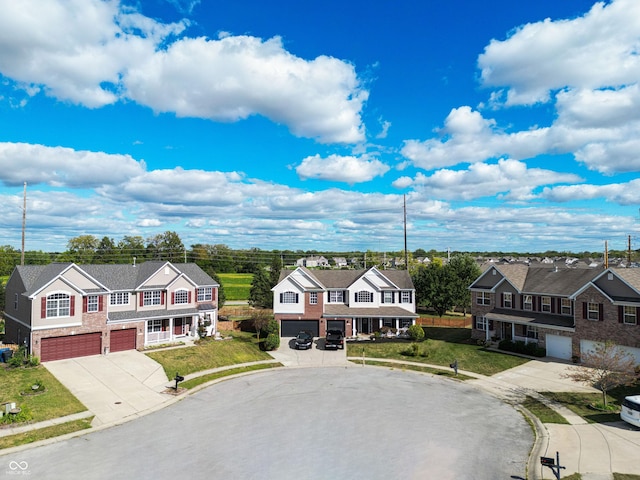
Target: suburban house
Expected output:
[313,261]
[353,301]
[565,310]
[64,310]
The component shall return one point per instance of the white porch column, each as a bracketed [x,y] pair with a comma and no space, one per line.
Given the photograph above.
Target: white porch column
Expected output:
[171,329]
[486,329]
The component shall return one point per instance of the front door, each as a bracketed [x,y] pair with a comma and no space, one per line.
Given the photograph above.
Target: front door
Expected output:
[506,331]
[365,326]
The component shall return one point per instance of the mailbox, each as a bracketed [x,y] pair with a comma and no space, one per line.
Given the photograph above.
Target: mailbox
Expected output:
[179,378]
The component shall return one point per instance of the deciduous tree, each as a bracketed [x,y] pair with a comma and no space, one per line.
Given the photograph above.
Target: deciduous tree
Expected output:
[606,367]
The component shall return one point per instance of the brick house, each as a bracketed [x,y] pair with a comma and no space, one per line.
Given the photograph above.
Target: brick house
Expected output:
[64,310]
[565,310]
[353,301]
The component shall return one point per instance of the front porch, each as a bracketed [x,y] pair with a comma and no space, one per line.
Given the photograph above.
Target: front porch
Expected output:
[370,325]
[167,330]
[498,330]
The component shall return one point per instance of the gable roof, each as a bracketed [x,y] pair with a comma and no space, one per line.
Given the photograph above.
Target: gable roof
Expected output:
[343,279]
[561,281]
[114,277]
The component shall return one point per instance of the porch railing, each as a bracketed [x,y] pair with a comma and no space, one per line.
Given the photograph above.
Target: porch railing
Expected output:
[157,337]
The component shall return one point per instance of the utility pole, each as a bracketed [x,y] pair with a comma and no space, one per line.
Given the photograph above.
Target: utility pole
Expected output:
[24,221]
[406,253]
[629,252]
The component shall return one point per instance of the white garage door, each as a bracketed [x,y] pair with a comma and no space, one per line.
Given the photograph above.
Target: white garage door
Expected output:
[590,346]
[558,346]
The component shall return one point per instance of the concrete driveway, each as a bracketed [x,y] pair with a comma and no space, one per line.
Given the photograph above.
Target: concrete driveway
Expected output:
[113,386]
[543,376]
[316,356]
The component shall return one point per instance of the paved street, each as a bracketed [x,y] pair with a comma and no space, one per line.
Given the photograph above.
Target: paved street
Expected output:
[324,423]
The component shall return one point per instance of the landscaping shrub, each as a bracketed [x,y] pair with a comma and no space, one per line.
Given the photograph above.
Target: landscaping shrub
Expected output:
[24,416]
[272,342]
[519,346]
[272,327]
[416,332]
[414,350]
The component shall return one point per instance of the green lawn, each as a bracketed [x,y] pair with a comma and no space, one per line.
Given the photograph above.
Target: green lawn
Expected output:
[544,413]
[580,403]
[209,354]
[44,433]
[442,346]
[55,401]
[236,285]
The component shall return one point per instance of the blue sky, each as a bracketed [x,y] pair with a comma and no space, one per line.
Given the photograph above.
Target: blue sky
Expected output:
[510,126]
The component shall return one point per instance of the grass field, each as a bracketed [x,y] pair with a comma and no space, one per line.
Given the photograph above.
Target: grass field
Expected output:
[236,285]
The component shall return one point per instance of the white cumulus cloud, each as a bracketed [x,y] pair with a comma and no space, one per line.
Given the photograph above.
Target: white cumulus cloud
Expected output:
[337,168]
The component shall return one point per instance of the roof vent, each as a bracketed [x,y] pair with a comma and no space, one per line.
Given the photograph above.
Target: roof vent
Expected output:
[610,276]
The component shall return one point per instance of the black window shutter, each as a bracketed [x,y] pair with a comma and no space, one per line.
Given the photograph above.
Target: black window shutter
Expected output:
[297,295]
[584,310]
[502,299]
[281,297]
[601,312]
[620,313]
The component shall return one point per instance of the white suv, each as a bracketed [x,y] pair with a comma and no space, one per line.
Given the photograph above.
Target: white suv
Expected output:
[630,412]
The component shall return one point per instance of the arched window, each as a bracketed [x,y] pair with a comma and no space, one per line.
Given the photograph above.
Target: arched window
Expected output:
[364,296]
[288,297]
[58,305]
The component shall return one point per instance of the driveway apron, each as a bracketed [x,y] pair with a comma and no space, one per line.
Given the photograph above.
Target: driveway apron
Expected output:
[113,386]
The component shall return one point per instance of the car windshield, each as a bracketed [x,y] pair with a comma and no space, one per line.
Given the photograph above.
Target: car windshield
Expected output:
[304,336]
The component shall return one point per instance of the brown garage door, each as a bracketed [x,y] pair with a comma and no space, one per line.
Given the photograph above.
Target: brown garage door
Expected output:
[123,340]
[57,348]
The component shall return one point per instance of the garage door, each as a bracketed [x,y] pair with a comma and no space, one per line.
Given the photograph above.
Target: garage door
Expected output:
[336,325]
[123,340]
[290,328]
[590,346]
[558,346]
[57,348]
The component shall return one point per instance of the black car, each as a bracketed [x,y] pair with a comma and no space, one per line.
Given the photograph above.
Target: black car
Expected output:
[304,340]
[335,339]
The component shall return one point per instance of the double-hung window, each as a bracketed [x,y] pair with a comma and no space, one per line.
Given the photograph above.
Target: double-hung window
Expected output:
[507,300]
[205,294]
[313,298]
[593,311]
[154,326]
[481,323]
[336,296]
[566,306]
[545,303]
[483,298]
[629,316]
[92,303]
[119,298]
[405,297]
[387,297]
[152,298]
[527,302]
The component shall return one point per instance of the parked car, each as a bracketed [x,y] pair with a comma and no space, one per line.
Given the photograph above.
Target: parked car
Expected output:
[304,340]
[630,411]
[334,339]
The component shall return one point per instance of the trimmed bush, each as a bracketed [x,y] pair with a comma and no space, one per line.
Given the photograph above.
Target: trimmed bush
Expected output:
[519,346]
[416,332]
[272,342]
